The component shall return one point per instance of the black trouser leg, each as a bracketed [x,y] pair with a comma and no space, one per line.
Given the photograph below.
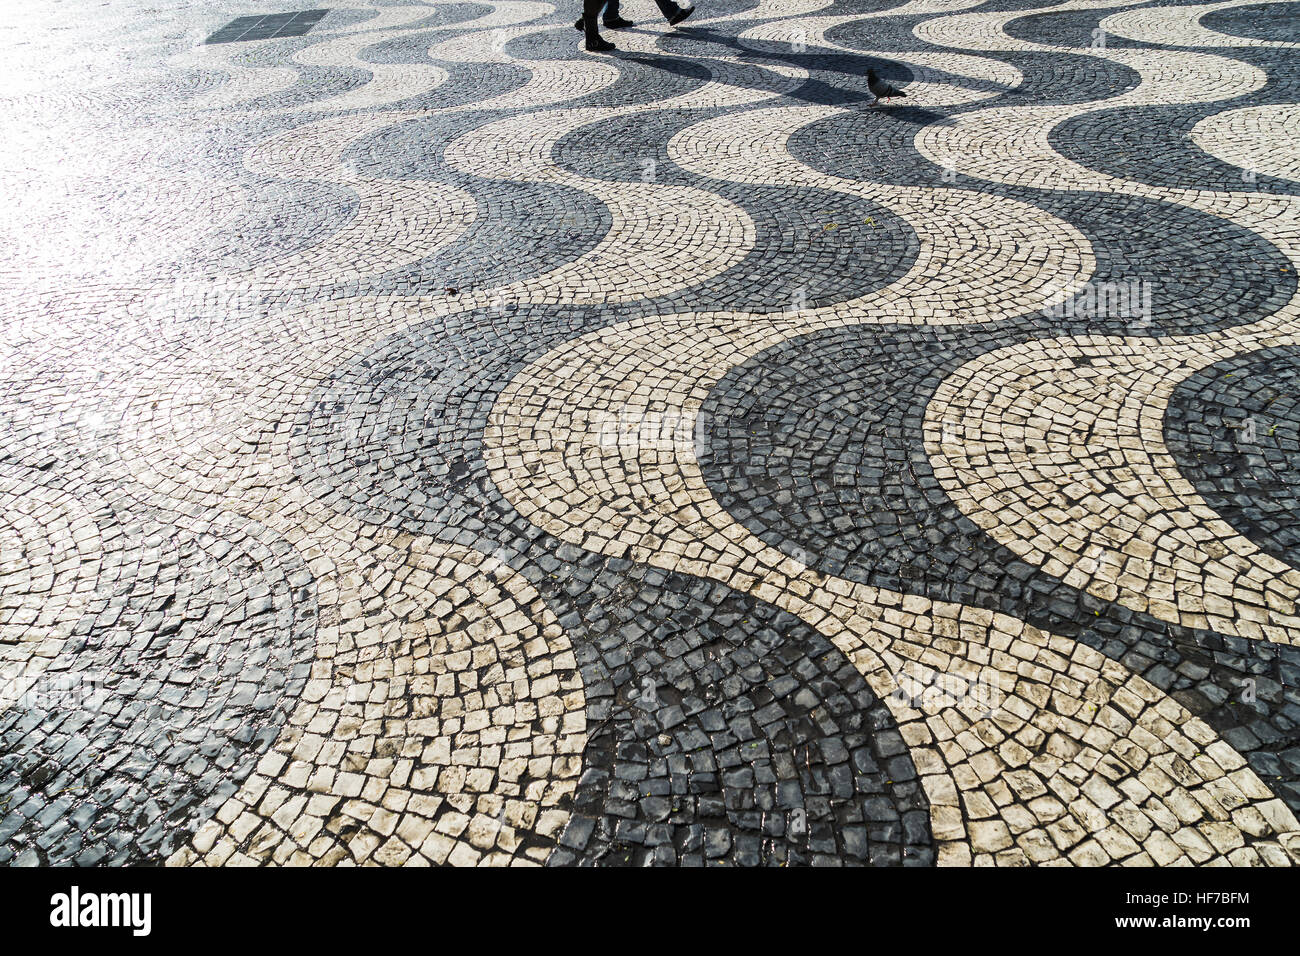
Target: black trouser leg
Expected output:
[590,16]
[667,8]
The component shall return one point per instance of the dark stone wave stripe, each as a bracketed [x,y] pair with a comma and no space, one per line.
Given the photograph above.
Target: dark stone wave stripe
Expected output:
[830,245]
[348,23]
[275,216]
[164,698]
[817,447]
[842,8]
[314,83]
[521,230]
[1171,3]
[723,8]
[1153,145]
[342,19]
[1250,477]
[892,34]
[1283,84]
[281,217]
[413,45]
[726,732]
[1279,22]
[395,436]
[1007,5]
[466,84]
[826,246]
[1060,79]
[833,463]
[646,78]
[1203,272]
[1069,28]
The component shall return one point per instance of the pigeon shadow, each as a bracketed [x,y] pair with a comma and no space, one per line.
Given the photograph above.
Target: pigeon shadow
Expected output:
[918,115]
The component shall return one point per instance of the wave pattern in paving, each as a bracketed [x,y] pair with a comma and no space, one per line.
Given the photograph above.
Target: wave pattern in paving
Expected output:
[426,442]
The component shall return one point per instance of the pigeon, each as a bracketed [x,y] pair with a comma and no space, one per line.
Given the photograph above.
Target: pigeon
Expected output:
[880,89]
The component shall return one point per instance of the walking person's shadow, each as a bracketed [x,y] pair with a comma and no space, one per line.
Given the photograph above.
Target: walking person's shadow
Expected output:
[815,60]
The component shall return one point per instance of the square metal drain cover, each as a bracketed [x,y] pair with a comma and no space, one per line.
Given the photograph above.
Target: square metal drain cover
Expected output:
[267,26]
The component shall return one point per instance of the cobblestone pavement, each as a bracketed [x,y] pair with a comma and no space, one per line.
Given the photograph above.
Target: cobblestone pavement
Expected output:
[427,442]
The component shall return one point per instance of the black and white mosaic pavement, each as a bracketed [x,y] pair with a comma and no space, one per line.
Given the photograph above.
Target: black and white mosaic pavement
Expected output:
[426,442]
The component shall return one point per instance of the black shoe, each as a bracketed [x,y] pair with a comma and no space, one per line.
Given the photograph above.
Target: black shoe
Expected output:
[680,15]
[617,23]
[598,44]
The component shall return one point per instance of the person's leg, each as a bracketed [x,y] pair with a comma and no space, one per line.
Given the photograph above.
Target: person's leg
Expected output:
[589,24]
[613,20]
[581,25]
[673,13]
